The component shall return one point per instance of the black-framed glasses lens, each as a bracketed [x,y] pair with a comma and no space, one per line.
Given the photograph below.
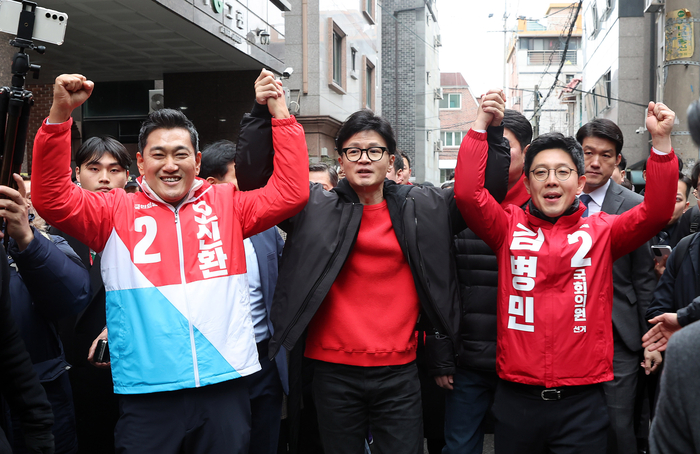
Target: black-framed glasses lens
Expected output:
[354,154]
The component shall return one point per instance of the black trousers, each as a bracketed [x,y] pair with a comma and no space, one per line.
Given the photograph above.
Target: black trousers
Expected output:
[351,399]
[525,423]
[208,420]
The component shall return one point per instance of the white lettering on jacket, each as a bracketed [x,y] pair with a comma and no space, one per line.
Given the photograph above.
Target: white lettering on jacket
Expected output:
[211,256]
[521,310]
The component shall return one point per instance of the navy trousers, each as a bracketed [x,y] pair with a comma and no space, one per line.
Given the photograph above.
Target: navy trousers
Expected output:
[208,420]
[465,408]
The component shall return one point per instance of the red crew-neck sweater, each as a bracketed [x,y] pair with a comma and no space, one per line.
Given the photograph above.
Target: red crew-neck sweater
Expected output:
[368,317]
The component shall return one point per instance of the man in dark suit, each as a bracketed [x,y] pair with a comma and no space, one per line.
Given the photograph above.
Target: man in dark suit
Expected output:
[263,252]
[633,280]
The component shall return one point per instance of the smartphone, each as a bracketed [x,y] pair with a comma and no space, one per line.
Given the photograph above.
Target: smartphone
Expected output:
[102,352]
[661,251]
[49,25]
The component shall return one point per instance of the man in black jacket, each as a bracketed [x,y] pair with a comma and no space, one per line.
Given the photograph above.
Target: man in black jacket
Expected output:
[676,300]
[344,254]
[19,383]
[47,282]
[471,389]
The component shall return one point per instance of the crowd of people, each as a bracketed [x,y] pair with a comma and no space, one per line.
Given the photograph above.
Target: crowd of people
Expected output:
[252,302]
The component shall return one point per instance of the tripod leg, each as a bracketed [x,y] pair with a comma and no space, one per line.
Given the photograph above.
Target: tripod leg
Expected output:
[22,130]
[15,135]
[4,103]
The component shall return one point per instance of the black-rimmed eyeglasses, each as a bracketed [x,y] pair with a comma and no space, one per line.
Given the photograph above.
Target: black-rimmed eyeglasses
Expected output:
[373,154]
[562,173]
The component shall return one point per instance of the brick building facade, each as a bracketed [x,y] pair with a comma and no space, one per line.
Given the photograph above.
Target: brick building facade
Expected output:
[458,109]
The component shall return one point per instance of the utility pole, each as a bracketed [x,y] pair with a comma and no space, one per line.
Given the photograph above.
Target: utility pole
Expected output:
[681,62]
[505,44]
[536,117]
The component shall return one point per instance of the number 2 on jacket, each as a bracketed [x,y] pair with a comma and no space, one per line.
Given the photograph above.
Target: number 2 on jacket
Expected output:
[140,255]
[579,259]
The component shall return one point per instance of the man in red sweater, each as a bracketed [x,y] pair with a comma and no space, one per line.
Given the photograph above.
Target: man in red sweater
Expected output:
[346,253]
[555,344]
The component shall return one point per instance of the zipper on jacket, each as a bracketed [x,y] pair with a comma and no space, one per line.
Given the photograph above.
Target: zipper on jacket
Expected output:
[422,269]
[317,283]
[183,282]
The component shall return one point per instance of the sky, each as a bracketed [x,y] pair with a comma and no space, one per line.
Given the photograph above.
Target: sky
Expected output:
[472,43]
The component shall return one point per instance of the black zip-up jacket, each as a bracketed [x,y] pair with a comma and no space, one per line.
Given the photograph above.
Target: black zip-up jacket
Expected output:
[678,289]
[321,236]
[19,383]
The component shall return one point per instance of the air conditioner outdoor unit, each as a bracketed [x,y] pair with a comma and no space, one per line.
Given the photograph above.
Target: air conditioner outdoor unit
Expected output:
[438,93]
[156,100]
[654,6]
[438,145]
[438,40]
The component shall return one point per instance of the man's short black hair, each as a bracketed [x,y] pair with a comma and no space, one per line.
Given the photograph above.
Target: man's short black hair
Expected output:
[555,140]
[216,158]
[688,184]
[405,156]
[92,150]
[323,167]
[167,119]
[398,164]
[623,163]
[366,120]
[695,174]
[519,126]
[603,129]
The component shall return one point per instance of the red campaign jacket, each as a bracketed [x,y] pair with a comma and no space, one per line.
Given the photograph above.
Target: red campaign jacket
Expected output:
[555,288]
[178,310]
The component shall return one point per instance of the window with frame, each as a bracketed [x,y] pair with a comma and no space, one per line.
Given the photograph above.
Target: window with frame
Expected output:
[451,101]
[549,43]
[607,83]
[368,83]
[452,138]
[541,51]
[337,58]
[600,97]
[594,19]
[368,10]
[609,5]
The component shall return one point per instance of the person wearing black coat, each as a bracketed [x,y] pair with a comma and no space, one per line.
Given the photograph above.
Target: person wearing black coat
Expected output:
[47,282]
[19,383]
[322,238]
[676,299]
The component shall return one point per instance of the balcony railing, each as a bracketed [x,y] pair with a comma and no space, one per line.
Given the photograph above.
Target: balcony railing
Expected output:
[541,57]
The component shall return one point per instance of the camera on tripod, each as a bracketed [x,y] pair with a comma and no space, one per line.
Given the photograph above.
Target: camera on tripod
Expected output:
[27,22]
[49,25]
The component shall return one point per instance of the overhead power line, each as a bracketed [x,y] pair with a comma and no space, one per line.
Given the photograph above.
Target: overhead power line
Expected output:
[563,58]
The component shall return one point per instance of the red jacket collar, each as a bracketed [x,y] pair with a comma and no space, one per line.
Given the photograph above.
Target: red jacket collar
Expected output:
[517,195]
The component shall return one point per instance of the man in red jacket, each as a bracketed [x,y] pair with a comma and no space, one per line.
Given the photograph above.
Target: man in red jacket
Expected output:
[174,270]
[555,344]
